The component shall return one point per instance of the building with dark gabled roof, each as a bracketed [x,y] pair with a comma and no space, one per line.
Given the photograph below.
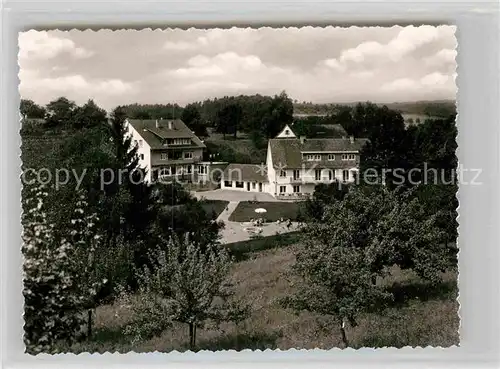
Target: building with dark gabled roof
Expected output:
[167,148]
[246,177]
[295,165]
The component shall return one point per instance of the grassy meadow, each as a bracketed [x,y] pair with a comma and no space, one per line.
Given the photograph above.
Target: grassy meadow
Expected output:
[419,316]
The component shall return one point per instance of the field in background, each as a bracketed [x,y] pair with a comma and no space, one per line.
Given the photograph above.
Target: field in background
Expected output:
[235,150]
[421,315]
[413,118]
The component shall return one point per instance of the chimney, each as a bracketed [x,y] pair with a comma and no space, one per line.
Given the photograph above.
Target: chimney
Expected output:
[351,138]
[157,124]
[302,139]
[170,125]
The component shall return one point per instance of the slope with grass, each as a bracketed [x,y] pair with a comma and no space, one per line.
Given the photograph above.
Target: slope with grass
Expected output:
[421,315]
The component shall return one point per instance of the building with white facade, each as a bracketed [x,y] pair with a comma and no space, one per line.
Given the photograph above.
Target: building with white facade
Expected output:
[168,149]
[295,165]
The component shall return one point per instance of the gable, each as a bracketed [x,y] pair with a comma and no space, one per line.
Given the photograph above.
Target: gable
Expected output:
[286,133]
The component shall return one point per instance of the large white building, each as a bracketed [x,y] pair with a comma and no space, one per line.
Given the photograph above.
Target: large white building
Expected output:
[295,165]
[168,149]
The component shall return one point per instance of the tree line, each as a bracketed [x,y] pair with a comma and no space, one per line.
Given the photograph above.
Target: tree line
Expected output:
[228,115]
[440,109]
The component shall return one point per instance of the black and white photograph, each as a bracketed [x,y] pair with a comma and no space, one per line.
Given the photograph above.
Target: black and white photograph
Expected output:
[239,188]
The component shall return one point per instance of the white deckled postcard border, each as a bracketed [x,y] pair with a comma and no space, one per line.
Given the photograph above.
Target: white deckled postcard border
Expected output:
[478,140]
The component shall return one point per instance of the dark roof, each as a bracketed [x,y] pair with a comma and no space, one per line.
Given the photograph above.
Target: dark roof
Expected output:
[288,152]
[245,172]
[155,136]
[327,131]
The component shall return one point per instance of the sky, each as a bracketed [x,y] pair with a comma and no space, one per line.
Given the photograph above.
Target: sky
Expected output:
[318,64]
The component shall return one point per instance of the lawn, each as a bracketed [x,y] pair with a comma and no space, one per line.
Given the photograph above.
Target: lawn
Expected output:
[420,316]
[216,206]
[243,249]
[275,210]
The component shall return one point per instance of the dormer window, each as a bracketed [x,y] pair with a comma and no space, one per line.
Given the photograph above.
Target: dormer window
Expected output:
[348,157]
[313,157]
[331,157]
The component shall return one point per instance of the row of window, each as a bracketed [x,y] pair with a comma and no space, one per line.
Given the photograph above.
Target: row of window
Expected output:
[202,169]
[296,189]
[317,174]
[178,141]
[241,184]
[186,155]
[175,141]
[173,170]
[330,157]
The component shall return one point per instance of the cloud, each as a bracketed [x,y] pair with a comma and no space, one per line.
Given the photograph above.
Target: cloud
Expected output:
[76,86]
[179,46]
[434,79]
[399,84]
[405,42]
[228,63]
[409,39]
[207,85]
[319,64]
[430,83]
[362,51]
[442,57]
[42,45]
[334,64]
[364,74]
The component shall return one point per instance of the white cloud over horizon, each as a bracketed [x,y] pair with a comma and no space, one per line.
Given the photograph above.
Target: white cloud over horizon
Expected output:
[329,64]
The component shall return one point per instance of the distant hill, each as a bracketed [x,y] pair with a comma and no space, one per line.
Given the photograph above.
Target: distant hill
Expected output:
[438,108]
[442,108]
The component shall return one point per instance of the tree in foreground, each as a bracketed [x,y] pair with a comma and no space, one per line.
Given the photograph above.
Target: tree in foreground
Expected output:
[59,281]
[359,239]
[336,274]
[323,195]
[187,285]
[411,239]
